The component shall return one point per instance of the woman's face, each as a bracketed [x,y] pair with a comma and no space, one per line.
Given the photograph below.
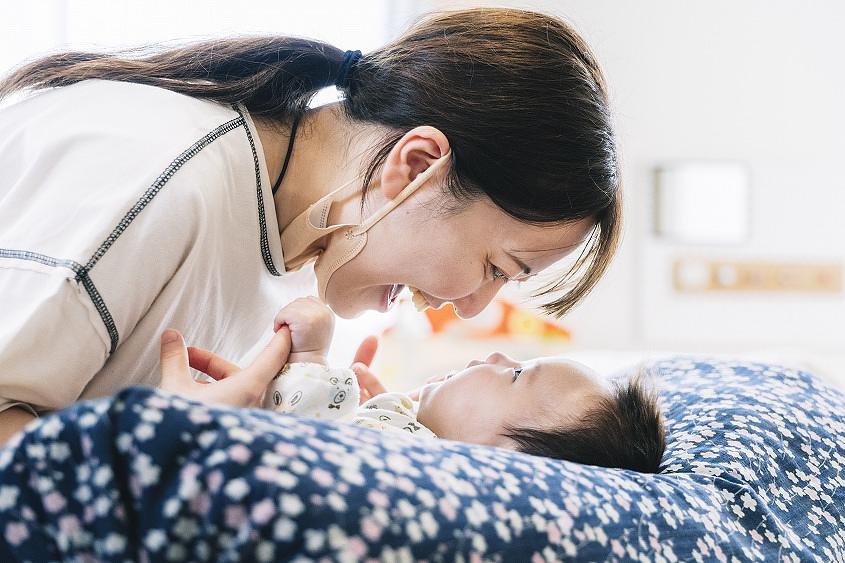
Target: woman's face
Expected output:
[462,258]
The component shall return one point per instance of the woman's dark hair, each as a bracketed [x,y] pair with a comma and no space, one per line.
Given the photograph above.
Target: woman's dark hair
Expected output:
[624,430]
[518,94]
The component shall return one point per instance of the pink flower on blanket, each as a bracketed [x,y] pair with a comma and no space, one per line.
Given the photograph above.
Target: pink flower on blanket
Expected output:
[54,502]
[263,511]
[447,509]
[235,516]
[214,480]
[322,477]
[370,528]
[69,525]
[240,453]
[378,498]
[356,547]
[16,533]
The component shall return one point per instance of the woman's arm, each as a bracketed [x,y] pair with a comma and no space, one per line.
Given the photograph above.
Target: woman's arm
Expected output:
[52,342]
[12,421]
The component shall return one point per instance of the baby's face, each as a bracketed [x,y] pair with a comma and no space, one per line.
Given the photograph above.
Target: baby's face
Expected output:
[474,404]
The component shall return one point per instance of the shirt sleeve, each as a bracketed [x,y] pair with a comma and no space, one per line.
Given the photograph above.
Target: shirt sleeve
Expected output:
[314,391]
[51,343]
[391,412]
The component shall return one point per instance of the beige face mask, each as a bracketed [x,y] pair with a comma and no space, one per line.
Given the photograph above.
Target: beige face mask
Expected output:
[308,236]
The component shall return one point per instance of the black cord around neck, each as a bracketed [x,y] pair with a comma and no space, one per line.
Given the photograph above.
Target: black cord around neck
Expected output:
[287,156]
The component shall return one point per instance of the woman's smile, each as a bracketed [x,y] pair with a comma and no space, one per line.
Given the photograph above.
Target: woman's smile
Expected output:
[389,295]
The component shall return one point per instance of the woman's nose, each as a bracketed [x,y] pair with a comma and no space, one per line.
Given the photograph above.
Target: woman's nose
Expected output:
[469,306]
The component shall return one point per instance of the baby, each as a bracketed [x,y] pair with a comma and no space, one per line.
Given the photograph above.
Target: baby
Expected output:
[548,407]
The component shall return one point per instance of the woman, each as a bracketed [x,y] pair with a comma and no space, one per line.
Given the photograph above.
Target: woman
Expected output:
[178,189]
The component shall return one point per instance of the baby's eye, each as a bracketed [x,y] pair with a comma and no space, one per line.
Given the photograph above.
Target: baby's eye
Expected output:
[516,372]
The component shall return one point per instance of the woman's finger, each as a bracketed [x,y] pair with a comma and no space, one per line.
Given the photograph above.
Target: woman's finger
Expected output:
[270,361]
[174,360]
[210,363]
[367,380]
[366,351]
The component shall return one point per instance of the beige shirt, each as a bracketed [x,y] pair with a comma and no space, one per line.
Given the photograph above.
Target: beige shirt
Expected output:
[126,209]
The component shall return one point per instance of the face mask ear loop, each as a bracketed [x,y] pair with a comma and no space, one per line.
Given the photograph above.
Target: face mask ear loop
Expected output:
[330,197]
[415,184]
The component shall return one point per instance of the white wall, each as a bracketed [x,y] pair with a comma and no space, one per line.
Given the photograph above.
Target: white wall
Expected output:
[29,29]
[756,81]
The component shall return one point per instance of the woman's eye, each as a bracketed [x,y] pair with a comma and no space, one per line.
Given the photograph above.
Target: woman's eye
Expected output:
[516,372]
[498,274]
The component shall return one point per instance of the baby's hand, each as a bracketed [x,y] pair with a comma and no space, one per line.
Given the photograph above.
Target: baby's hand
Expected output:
[311,326]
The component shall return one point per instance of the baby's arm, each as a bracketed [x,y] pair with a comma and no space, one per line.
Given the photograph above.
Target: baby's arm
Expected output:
[306,386]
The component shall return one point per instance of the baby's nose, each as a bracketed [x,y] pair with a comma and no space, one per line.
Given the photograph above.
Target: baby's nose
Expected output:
[499,358]
[472,363]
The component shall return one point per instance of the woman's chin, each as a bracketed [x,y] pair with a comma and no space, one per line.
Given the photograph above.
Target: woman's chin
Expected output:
[344,312]
[346,306]
[350,305]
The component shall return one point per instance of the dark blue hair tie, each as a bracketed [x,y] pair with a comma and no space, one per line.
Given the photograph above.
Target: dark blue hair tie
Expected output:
[347,67]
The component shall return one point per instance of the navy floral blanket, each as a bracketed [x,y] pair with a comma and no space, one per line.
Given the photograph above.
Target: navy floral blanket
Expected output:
[754,471]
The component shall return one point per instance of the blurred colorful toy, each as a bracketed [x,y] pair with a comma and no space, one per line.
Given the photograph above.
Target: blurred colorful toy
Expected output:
[501,318]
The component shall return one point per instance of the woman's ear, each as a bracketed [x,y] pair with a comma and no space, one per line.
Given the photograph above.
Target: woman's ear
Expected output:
[418,149]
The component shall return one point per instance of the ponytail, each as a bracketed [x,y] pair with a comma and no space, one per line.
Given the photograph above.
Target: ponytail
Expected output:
[271,76]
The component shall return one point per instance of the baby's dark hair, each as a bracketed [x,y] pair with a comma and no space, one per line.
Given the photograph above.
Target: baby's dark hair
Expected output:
[624,430]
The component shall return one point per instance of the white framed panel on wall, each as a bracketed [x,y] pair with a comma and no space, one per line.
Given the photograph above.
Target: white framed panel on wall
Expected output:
[727,312]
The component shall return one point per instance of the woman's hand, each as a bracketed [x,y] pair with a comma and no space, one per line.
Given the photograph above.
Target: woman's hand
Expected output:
[233,386]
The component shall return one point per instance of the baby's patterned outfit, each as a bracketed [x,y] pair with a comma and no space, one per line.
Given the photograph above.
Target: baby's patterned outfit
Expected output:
[317,391]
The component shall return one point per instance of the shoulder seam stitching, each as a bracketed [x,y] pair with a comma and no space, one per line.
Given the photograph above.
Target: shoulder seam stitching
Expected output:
[80,277]
[262,218]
